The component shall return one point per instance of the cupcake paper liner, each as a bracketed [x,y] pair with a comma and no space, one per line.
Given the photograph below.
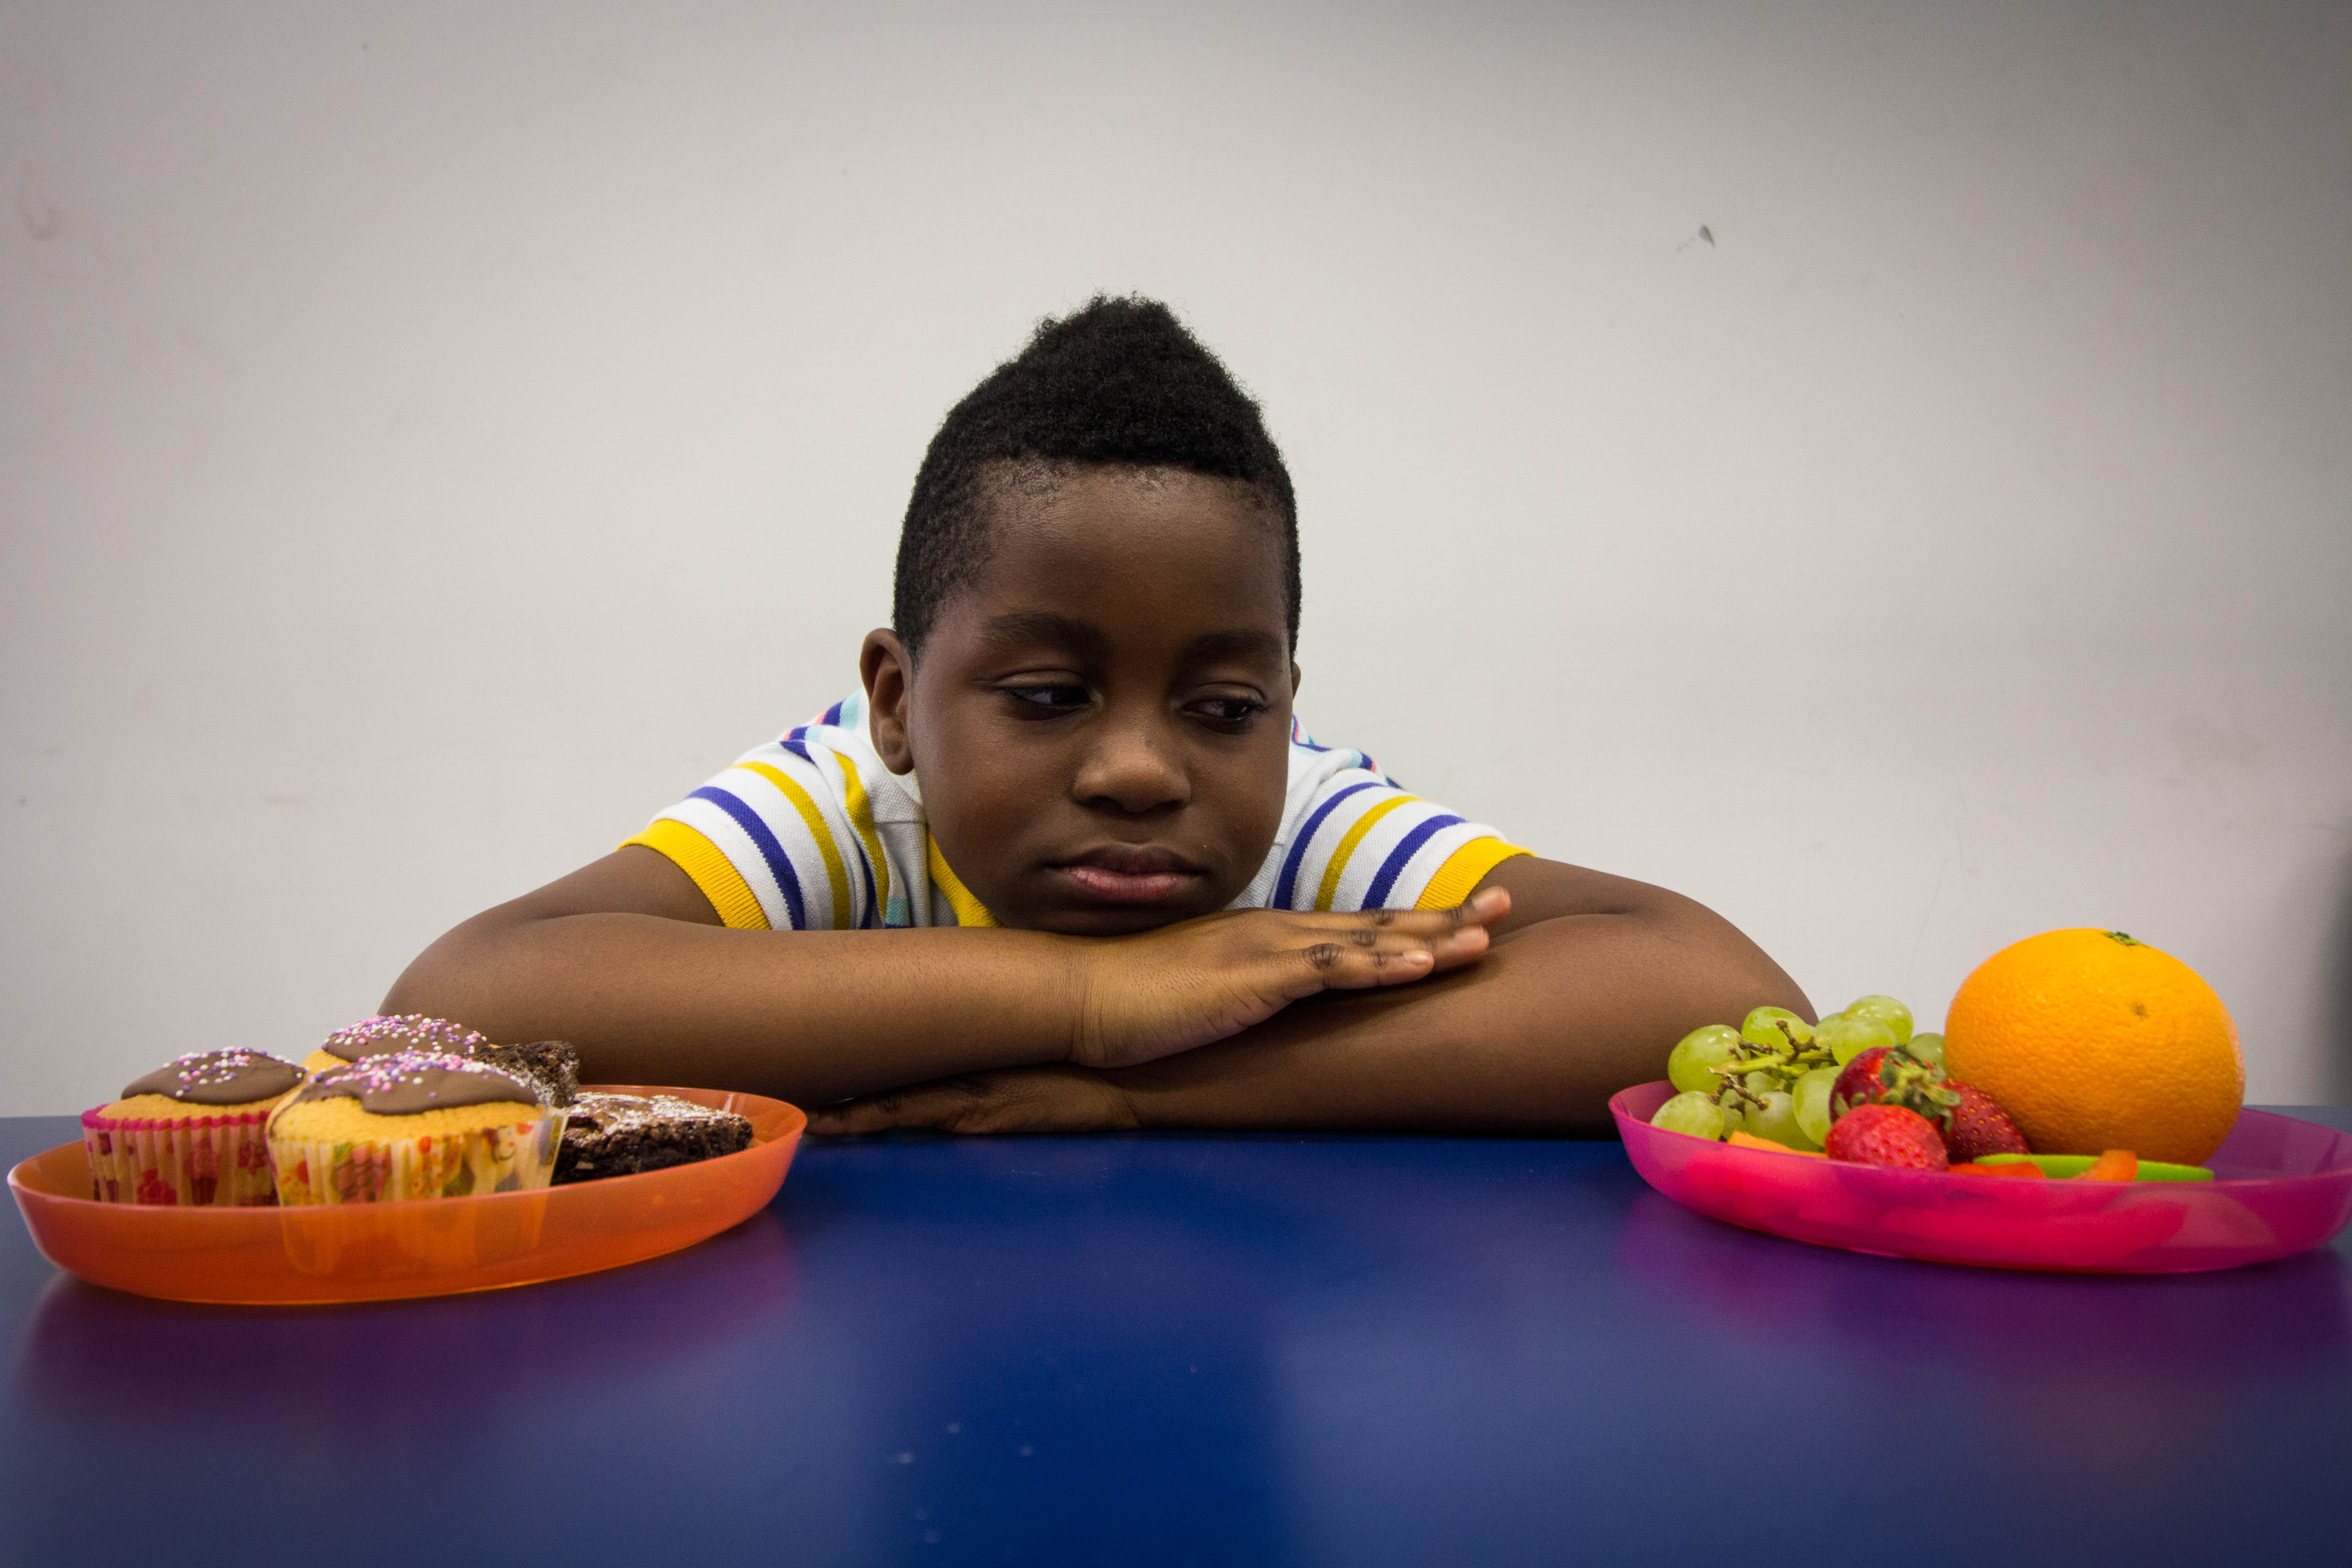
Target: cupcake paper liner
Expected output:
[509,1158]
[218,1161]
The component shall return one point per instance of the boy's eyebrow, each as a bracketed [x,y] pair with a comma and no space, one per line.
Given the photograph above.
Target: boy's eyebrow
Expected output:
[1087,639]
[1239,643]
[1045,627]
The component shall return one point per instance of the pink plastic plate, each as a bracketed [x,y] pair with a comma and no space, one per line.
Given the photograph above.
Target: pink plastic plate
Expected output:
[434,1246]
[2279,1186]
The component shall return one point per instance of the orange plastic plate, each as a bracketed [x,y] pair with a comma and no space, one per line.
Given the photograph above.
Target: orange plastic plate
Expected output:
[378,1252]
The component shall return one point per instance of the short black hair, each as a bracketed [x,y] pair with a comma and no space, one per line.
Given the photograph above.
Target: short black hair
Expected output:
[1119,381]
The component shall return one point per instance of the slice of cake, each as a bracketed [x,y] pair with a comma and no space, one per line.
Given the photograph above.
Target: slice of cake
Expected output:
[622,1134]
[550,1067]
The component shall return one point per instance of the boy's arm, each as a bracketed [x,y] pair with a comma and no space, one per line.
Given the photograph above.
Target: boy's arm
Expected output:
[627,959]
[1591,980]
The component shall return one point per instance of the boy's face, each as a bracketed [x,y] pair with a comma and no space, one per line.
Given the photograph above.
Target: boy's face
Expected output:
[1101,722]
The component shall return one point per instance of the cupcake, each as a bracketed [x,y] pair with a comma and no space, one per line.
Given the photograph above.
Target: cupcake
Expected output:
[411,1124]
[191,1132]
[551,1068]
[401,1032]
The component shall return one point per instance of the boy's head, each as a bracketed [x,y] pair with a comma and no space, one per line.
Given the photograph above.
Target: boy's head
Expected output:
[1119,383]
[1097,598]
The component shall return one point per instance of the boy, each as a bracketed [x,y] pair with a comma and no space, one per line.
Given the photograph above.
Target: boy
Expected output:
[1066,863]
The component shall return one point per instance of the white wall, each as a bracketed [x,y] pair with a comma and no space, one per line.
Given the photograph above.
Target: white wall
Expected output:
[430,443]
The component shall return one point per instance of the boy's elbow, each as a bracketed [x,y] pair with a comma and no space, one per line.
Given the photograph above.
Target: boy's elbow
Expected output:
[447,980]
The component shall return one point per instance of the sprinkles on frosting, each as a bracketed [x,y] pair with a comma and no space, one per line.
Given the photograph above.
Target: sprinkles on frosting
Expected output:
[200,1070]
[382,1074]
[426,1032]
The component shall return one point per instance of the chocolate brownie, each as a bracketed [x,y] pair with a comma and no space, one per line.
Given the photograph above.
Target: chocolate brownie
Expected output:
[552,1068]
[621,1134]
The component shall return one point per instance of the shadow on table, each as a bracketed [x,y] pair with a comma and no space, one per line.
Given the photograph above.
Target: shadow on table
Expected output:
[2124,1374]
[100,1357]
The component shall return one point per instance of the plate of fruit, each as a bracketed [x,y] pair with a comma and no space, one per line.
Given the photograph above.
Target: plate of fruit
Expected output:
[2080,1111]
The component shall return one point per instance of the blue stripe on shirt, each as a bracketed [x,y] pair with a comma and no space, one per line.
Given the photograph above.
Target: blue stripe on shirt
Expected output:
[1392,867]
[779,865]
[1289,877]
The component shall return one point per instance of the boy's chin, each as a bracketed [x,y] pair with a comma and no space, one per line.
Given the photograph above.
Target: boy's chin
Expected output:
[1109,919]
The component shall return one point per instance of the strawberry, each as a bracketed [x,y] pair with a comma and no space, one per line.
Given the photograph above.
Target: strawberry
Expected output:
[1858,1084]
[1889,1075]
[1887,1135]
[1978,1126]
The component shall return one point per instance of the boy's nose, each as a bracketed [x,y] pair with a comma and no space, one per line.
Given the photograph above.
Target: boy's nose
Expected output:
[1132,766]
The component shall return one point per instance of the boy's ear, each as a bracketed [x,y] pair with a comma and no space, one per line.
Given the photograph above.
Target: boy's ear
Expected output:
[889,677]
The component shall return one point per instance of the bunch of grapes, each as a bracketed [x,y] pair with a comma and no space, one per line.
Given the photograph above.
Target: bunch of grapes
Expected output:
[1771,1076]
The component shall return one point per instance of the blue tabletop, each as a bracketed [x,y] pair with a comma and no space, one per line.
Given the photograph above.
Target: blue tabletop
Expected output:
[1182,1349]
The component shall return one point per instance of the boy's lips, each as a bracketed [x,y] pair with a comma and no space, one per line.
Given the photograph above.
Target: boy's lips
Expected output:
[1128,873]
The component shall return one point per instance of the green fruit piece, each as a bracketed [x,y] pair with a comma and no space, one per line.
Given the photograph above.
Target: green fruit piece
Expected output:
[2061,1166]
[1690,1112]
[1849,1037]
[1928,1048]
[1775,1029]
[1884,1010]
[1688,1064]
[1811,1101]
[1777,1118]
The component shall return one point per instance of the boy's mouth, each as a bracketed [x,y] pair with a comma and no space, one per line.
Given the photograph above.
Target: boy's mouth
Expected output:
[1128,873]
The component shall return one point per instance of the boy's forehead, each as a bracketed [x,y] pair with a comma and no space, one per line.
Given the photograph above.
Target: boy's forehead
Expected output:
[1117,542]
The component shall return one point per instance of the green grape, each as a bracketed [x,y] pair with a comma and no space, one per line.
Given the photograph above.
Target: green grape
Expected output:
[1763,1083]
[1884,1010]
[1775,1029]
[1690,1112]
[1735,1116]
[1688,1062]
[1928,1048]
[1777,1118]
[1849,1037]
[1811,1102]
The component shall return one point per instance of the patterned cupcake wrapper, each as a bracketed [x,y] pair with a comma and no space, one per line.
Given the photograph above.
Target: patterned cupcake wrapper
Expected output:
[206,1161]
[511,1158]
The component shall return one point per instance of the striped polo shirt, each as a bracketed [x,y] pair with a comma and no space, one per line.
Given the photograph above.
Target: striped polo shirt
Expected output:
[812,832]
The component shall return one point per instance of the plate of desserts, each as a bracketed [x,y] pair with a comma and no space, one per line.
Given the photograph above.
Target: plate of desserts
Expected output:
[407,1156]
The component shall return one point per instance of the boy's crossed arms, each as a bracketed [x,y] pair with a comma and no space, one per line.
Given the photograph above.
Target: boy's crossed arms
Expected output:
[1077,738]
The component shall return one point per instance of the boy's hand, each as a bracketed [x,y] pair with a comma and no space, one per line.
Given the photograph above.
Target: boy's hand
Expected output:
[1152,994]
[1016,1099]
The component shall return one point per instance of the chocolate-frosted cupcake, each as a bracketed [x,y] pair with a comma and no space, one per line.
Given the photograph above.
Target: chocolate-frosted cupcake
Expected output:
[549,1067]
[383,1034]
[411,1124]
[191,1132]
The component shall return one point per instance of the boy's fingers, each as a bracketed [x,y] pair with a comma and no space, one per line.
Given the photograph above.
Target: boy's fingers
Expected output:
[1479,911]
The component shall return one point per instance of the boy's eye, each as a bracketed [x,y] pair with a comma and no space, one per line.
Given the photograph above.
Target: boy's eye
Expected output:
[1045,699]
[1228,712]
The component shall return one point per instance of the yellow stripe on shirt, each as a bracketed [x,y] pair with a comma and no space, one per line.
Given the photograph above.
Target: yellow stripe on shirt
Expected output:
[1462,871]
[707,864]
[844,913]
[861,821]
[1355,836]
[969,910]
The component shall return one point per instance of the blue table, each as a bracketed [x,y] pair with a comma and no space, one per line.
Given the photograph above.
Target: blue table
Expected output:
[1209,1350]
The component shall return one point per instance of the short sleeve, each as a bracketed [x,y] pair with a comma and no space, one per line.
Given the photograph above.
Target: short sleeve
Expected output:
[774,842]
[1356,841]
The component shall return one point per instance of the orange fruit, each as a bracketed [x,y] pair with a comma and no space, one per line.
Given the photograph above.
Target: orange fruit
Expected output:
[2093,1041]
